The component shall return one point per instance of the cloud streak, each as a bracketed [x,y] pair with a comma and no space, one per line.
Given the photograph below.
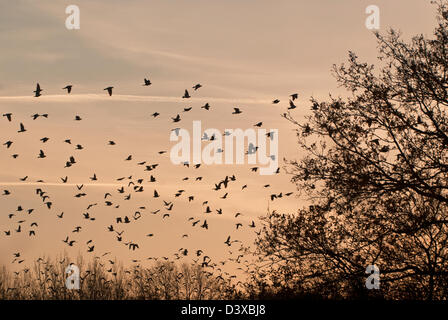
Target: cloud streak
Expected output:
[127,98]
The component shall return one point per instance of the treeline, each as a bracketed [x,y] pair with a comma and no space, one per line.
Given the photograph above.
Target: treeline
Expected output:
[166,280]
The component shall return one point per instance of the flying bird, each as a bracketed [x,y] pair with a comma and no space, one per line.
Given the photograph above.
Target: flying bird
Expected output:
[37,91]
[8,116]
[176,119]
[109,90]
[186,95]
[237,111]
[291,105]
[68,88]
[22,128]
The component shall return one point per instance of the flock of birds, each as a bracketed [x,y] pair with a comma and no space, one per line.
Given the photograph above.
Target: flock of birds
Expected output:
[130,186]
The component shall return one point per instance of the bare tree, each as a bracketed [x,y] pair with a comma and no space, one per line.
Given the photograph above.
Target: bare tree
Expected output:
[376,173]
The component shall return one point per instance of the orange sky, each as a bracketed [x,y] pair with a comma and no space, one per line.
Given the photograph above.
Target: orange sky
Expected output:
[244,53]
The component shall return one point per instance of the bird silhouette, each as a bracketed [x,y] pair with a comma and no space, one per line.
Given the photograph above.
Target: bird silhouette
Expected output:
[68,88]
[8,116]
[22,128]
[291,105]
[8,144]
[176,119]
[109,90]
[37,91]
[237,111]
[186,95]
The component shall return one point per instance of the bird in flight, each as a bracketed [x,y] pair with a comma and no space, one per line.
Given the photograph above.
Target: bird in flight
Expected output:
[237,111]
[176,119]
[133,246]
[68,88]
[197,86]
[37,91]
[291,105]
[109,90]
[227,242]
[22,128]
[186,95]
[35,116]
[294,96]
[8,116]
[147,82]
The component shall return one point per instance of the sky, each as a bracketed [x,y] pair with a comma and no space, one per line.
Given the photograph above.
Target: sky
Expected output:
[244,53]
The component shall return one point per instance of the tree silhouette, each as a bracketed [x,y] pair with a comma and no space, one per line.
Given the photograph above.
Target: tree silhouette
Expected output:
[376,173]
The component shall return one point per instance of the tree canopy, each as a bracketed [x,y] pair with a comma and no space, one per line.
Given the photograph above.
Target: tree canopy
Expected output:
[375,167]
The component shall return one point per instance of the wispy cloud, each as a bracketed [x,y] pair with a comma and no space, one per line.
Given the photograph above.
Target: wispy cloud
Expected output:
[54,184]
[129,98]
